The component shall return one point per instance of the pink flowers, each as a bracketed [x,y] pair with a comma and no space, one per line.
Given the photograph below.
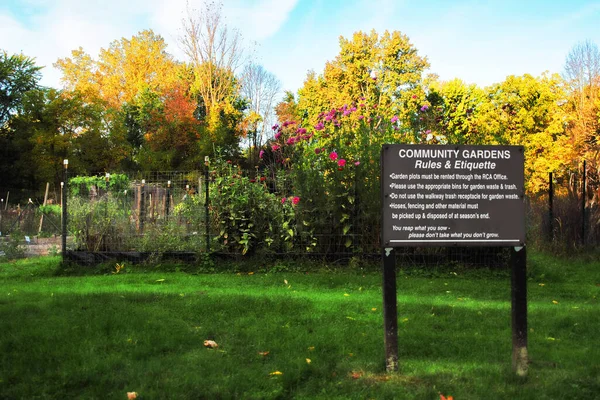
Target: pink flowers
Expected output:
[394,119]
[424,108]
[261,154]
[295,200]
[357,163]
[275,147]
[341,162]
[333,156]
[277,135]
[319,126]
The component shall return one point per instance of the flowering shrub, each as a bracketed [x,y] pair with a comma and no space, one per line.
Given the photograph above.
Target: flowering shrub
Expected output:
[334,167]
[248,215]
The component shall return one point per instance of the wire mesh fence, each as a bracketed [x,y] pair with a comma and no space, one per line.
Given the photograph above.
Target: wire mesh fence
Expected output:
[186,214]
[235,213]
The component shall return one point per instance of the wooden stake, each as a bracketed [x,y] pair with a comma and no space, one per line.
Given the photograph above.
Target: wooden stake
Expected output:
[45,200]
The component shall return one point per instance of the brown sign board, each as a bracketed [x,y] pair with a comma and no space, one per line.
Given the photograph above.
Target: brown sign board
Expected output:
[451,195]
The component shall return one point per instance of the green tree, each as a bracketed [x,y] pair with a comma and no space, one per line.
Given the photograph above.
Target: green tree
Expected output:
[384,71]
[55,125]
[18,75]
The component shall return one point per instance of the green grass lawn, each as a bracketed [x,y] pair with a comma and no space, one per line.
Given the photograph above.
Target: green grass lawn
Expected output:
[293,335]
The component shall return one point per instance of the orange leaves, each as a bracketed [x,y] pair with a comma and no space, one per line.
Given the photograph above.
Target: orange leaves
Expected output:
[210,344]
[442,397]
[131,395]
[356,374]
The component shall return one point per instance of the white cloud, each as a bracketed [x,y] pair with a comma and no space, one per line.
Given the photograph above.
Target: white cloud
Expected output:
[260,19]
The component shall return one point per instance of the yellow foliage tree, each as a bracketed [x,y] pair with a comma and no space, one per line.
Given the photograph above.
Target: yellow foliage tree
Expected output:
[123,70]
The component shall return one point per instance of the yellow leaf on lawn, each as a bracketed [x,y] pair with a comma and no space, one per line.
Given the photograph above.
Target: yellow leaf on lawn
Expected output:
[308,361]
[285,281]
[311,348]
[542,284]
[250,273]
[405,320]
[263,353]
[131,395]
[210,344]
[554,302]
[276,373]
[160,280]
[346,294]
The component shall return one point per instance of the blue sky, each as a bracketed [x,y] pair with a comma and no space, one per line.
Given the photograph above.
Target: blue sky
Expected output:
[479,42]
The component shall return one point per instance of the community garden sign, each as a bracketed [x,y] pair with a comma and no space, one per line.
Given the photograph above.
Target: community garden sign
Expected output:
[453,195]
[449,195]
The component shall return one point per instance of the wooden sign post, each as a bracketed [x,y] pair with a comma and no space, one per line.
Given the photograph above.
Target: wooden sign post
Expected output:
[454,196]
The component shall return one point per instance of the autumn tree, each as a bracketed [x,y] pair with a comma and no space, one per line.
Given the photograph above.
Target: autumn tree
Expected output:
[125,68]
[451,111]
[215,53]
[582,73]
[530,111]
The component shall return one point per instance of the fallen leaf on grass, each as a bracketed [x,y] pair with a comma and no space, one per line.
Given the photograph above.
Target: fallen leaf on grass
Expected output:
[285,281]
[442,397]
[554,302]
[308,360]
[210,344]
[250,273]
[374,309]
[356,374]
[404,319]
[160,280]
[131,395]
[311,348]
[346,295]
[263,353]
[275,373]
[542,284]
[351,319]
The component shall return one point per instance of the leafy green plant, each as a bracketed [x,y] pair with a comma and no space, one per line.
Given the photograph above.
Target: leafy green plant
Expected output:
[94,223]
[50,209]
[83,185]
[11,247]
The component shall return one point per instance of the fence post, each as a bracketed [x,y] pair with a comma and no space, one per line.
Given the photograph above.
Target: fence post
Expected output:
[168,200]
[206,217]
[65,187]
[550,208]
[142,205]
[583,184]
